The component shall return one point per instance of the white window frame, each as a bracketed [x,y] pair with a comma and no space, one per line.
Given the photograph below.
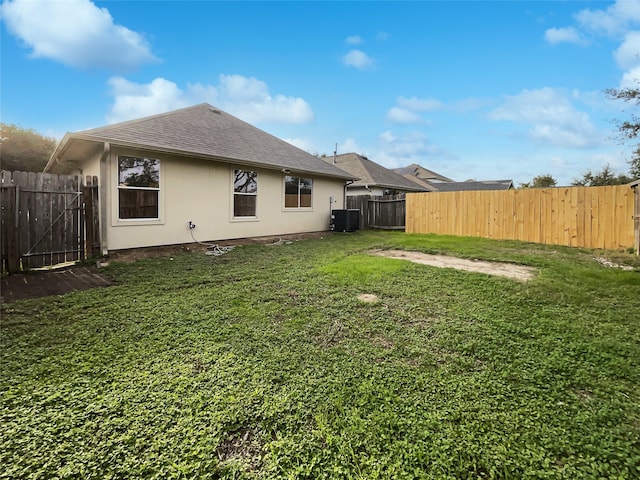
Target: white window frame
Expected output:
[243,218]
[284,190]
[126,187]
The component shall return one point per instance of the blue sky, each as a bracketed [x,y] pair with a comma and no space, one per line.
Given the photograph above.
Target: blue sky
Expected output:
[484,90]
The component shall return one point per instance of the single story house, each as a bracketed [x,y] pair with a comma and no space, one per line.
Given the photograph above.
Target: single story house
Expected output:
[372,178]
[434,182]
[472,185]
[415,171]
[159,176]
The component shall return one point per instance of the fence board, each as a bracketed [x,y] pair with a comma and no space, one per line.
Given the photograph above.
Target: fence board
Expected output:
[593,217]
[43,221]
[636,217]
[382,212]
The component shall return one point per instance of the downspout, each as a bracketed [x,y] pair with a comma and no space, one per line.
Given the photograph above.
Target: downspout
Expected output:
[344,193]
[102,193]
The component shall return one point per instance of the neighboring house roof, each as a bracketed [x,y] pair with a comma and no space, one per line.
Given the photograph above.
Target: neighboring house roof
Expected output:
[199,131]
[472,185]
[423,183]
[371,174]
[419,171]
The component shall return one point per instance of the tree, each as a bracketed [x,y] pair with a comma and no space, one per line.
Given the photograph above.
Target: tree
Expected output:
[24,149]
[541,181]
[604,177]
[629,129]
[635,163]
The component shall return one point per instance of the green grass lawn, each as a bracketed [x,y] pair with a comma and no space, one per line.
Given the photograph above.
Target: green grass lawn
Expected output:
[264,364]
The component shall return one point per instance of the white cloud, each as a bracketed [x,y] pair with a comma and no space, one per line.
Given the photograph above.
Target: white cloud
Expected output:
[563,35]
[358,59]
[631,79]
[552,118]
[350,145]
[249,99]
[76,33]
[617,21]
[400,150]
[403,116]
[628,53]
[420,104]
[302,143]
[245,97]
[354,40]
[406,110]
[382,36]
[612,21]
[133,100]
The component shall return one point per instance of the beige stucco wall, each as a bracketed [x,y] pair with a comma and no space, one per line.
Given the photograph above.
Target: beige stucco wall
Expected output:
[200,191]
[91,165]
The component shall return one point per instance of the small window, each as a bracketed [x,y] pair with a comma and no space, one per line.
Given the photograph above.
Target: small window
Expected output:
[245,193]
[297,192]
[138,188]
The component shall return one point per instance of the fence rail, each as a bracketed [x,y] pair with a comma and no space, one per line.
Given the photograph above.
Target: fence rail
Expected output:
[47,219]
[592,217]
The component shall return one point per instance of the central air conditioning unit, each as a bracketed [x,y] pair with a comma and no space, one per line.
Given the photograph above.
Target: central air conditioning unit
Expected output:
[345,220]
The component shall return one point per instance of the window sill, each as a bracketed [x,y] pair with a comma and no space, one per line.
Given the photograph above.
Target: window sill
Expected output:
[123,222]
[244,219]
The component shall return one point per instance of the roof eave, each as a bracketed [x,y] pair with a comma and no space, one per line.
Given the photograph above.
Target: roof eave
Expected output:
[174,151]
[57,152]
[395,187]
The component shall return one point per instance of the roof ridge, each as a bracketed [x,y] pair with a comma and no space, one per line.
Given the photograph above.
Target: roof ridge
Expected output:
[148,117]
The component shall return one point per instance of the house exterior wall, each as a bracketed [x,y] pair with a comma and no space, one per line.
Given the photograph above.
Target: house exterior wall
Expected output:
[201,191]
[91,166]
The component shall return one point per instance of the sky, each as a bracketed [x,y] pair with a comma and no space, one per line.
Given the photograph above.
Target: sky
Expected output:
[472,90]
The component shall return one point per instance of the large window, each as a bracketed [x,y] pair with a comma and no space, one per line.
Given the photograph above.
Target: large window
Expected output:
[138,187]
[297,192]
[245,193]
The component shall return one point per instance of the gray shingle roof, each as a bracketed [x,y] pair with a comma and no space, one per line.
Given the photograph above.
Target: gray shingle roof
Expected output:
[205,131]
[371,173]
[423,173]
[471,185]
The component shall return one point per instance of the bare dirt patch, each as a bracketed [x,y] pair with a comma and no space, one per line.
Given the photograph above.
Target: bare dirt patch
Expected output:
[134,254]
[19,286]
[509,270]
[368,298]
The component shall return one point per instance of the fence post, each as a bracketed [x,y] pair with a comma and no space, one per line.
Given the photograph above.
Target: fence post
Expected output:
[87,198]
[91,216]
[13,256]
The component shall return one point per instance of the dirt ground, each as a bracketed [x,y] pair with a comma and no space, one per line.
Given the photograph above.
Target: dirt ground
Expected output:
[134,254]
[39,284]
[82,277]
[509,270]
[54,282]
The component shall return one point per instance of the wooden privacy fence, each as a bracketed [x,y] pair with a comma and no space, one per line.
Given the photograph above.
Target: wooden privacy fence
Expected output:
[592,217]
[386,212]
[636,214]
[47,219]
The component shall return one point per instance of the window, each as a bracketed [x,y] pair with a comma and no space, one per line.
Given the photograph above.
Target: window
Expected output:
[245,193]
[297,192]
[138,187]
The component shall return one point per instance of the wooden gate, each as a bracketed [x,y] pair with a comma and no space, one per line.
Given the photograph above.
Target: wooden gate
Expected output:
[47,220]
[381,212]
